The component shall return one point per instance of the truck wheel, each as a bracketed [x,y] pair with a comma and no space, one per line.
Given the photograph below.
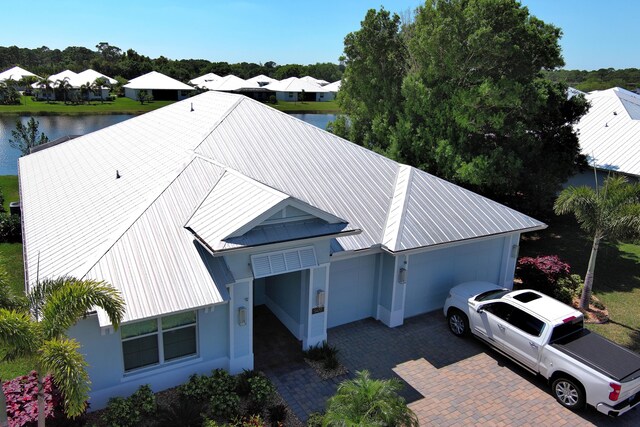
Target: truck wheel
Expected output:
[458,323]
[569,393]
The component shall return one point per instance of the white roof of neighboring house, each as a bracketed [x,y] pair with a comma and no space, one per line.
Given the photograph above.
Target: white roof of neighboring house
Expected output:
[294,84]
[209,77]
[262,79]
[91,76]
[66,74]
[610,131]
[180,168]
[310,79]
[229,83]
[156,80]
[15,73]
[334,87]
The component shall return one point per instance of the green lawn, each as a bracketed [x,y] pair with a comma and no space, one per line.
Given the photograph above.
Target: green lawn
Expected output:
[327,107]
[9,188]
[120,106]
[617,274]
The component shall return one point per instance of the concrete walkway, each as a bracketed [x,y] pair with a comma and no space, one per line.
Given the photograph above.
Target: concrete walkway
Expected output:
[449,381]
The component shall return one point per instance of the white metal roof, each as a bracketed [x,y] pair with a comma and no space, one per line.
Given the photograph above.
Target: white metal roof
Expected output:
[294,84]
[262,79]
[229,83]
[80,219]
[313,80]
[15,73]
[334,87]
[610,131]
[209,77]
[66,74]
[91,75]
[156,80]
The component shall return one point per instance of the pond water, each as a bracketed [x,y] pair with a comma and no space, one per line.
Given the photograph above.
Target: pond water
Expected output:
[57,126]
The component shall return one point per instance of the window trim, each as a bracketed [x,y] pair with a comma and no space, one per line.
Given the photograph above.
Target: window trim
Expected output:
[159,333]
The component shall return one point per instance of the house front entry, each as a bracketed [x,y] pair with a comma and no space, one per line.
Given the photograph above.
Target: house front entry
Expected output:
[273,345]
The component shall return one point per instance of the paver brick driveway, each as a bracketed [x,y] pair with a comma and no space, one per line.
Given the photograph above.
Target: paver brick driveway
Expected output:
[453,381]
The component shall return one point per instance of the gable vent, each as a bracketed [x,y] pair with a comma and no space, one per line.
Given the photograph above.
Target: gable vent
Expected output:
[280,262]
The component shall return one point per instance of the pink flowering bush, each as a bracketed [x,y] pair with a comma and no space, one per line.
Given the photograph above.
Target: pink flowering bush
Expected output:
[549,275]
[22,401]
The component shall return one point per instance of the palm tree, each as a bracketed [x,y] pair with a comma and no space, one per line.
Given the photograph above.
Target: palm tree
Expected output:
[612,211]
[64,86]
[97,86]
[45,85]
[364,401]
[56,305]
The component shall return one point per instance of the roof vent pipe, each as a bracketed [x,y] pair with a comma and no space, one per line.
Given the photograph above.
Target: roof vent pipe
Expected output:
[117,174]
[192,106]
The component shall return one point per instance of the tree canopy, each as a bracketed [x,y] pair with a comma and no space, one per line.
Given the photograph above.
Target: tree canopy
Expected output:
[113,61]
[460,92]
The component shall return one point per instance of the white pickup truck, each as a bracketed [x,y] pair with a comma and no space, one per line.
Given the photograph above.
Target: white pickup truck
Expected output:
[548,338]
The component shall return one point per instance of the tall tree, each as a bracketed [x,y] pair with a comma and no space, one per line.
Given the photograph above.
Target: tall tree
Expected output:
[364,401]
[612,211]
[370,94]
[24,138]
[474,107]
[55,306]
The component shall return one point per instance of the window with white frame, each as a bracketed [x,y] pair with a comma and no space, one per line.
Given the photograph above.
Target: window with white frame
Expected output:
[160,340]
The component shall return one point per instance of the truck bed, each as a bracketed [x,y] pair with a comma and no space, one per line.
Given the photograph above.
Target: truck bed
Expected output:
[601,354]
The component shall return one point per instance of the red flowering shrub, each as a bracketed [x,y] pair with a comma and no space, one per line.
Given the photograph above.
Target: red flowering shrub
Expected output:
[22,401]
[546,274]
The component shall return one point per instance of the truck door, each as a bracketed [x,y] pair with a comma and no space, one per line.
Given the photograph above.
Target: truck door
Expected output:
[522,337]
[491,323]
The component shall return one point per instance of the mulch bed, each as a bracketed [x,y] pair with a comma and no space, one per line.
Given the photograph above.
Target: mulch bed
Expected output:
[593,315]
[325,374]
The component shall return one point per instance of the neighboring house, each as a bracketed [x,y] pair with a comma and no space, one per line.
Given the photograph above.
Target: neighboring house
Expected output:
[262,80]
[332,90]
[296,89]
[610,135]
[235,84]
[209,77]
[201,210]
[161,87]
[75,82]
[315,81]
[16,74]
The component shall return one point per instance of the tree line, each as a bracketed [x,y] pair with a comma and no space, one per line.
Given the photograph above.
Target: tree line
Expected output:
[126,65]
[604,78]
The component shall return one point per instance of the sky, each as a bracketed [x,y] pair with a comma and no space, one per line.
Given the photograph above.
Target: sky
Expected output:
[596,34]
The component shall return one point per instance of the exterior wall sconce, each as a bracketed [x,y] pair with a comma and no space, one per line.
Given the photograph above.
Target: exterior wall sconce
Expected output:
[242,316]
[320,298]
[402,276]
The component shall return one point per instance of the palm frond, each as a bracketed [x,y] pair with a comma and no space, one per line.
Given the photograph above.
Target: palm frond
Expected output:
[60,358]
[39,293]
[74,299]
[19,334]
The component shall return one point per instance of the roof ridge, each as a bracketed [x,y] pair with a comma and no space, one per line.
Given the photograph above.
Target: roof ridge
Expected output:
[219,122]
[392,231]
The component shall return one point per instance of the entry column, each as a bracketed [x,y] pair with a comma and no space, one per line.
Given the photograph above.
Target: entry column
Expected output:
[317,296]
[241,326]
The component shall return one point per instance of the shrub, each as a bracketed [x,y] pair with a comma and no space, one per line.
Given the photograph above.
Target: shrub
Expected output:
[10,228]
[277,414]
[542,273]
[321,352]
[273,99]
[226,404]
[224,400]
[129,412]
[242,381]
[331,362]
[182,413]
[22,401]
[315,419]
[262,391]
[198,388]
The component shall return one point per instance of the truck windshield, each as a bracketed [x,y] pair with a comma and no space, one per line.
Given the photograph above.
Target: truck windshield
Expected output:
[492,294]
[567,329]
